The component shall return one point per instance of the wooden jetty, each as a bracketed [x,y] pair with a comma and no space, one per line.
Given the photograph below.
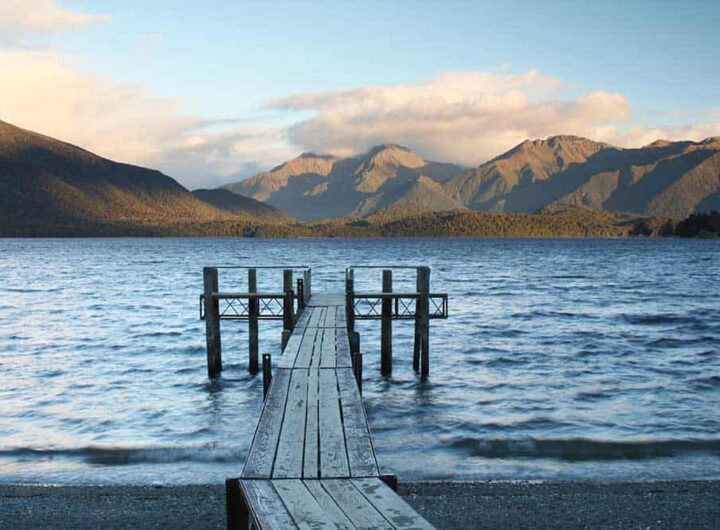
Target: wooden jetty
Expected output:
[312,463]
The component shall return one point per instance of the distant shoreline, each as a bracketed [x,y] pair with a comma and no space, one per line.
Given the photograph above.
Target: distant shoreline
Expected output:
[655,504]
[566,223]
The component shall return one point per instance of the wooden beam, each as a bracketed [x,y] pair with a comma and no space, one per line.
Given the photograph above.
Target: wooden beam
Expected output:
[212,322]
[254,310]
[386,326]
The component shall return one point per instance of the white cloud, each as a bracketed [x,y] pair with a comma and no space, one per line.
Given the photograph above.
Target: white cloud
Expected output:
[459,117]
[20,17]
[468,117]
[463,117]
[40,91]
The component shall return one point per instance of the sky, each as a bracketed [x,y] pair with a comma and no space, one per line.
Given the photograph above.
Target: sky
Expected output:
[213,91]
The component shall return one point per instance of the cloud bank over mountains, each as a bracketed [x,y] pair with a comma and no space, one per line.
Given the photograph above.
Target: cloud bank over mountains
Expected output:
[463,117]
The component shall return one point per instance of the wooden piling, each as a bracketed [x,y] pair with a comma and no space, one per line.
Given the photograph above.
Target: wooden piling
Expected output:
[357,369]
[300,294]
[423,309]
[287,280]
[391,480]
[386,326]
[288,316]
[354,339]
[267,373]
[288,307]
[253,318]
[349,300]
[417,339]
[307,284]
[237,512]
[212,321]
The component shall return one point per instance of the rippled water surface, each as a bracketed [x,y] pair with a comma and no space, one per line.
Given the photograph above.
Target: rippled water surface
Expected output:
[561,359]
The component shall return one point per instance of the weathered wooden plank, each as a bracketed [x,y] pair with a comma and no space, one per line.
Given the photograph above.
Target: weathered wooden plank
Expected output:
[333,457]
[289,459]
[267,507]
[355,420]
[361,454]
[343,358]
[262,450]
[391,505]
[328,351]
[303,508]
[316,315]
[292,348]
[302,321]
[307,348]
[327,299]
[354,504]
[327,503]
[340,317]
[311,469]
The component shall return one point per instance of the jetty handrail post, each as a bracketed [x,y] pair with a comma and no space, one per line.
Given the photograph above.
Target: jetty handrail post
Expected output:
[423,310]
[253,318]
[349,301]
[353,336]
[288,313]
[300,294]
[267,373]
[417,341]
[386,326]
[307,284]
[212,321]
[287,280]
[357,366]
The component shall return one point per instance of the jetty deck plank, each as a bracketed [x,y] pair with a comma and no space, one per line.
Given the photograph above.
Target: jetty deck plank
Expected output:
[312,463]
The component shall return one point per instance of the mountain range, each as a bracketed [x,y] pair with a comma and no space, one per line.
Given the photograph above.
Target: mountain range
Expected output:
[667,179]
[50,187]
[579,187]
[315,186]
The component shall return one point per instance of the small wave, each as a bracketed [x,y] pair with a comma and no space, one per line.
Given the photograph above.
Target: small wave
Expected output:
[504,361]
[160,334]
[656,320]
[666,342]
[118,456]
[707,383]
[582,449]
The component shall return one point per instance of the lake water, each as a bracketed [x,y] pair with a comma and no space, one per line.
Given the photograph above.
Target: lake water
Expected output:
[561,359]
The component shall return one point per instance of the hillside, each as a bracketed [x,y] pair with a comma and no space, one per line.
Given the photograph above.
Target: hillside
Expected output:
[667,179]
[237,204]
[312,187]
[49,187]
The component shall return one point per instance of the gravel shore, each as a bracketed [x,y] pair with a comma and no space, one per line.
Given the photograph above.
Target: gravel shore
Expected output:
[672,504]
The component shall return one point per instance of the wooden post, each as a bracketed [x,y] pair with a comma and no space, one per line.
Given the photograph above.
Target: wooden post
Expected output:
[354,339]
[424,320]
[287,280]
[267,373]
[288,316]
[237,512]
[357,369]
[284,339]
[300,294]
[417,340]
[349,300]
[288,309]
[254,309]
[307,275]
[391,480]
[212,321]
[386,326]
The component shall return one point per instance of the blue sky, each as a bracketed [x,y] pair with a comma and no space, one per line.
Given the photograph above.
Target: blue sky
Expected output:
[225,60]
